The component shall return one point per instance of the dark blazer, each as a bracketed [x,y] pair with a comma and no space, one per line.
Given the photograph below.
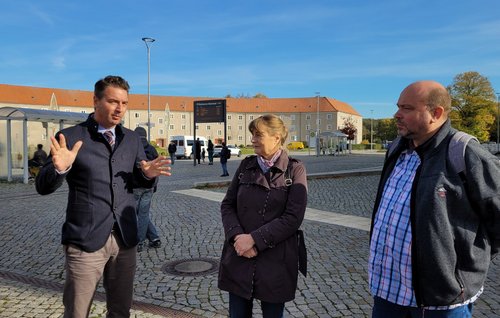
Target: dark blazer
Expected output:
[271,210]
[100,183]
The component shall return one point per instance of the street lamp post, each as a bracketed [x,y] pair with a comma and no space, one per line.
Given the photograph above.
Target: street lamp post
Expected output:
[371,130]
[147,41]
[317,125]
[498,122]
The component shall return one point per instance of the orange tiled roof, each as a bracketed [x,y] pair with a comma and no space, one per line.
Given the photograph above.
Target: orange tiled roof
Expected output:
[27,95]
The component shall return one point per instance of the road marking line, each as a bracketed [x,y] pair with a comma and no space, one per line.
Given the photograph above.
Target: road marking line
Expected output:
[351,221]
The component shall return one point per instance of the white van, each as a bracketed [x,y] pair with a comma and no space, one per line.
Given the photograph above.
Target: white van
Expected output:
[185,146]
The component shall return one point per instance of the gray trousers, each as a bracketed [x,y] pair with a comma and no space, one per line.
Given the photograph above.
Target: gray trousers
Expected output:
[115,263]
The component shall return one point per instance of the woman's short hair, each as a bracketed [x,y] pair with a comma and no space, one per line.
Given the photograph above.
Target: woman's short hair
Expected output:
[270,123]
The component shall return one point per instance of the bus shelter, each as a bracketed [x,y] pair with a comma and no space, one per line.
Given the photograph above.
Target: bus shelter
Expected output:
[12,115]
[333,142]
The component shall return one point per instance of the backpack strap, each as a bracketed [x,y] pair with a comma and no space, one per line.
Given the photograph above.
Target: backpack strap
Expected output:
[393,146]
[456,152]
[288,177]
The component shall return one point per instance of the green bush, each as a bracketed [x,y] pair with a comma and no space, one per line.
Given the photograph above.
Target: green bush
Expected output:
[366,147]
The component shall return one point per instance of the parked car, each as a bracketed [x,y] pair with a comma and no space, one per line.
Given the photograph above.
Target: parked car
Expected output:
[295,145]
[235,151]
[217,149]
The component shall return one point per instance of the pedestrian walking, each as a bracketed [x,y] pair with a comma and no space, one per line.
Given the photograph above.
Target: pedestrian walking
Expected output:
[210,150]
[434,230]
[197,150]
[143,196]
[224,154]
[172,149]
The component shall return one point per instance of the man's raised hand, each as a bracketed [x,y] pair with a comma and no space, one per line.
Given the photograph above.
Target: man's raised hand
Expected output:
[62,156]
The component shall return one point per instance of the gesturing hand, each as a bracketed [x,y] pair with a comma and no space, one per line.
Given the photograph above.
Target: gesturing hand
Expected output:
[156,167]
[62,157]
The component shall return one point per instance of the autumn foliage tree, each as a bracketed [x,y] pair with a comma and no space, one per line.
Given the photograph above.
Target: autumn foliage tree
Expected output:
[349,129]
[473,105]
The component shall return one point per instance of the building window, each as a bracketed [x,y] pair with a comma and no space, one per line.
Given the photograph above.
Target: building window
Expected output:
[208,127]
[228,117]
[171,127]
[329,116]
[219,132]
[240,127]
[197,127]
[250,117]
[183,116]
[328,127]
[292,117]
[308,116]
[229,138]
[240,117]
[294,138]
[183,127]
[171,116]
[161,132]
[83,111]
[240,138]
[308,127]
[160,120]
[137,115]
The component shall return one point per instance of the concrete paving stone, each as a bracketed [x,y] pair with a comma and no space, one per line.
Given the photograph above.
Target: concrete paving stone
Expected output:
[190,228]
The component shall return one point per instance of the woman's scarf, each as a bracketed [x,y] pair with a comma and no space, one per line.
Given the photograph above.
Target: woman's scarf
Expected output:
[265,164]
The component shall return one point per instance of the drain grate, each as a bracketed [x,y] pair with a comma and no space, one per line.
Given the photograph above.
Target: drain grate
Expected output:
[192,267]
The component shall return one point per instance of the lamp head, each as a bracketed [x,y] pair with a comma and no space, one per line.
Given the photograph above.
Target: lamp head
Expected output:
[150,40]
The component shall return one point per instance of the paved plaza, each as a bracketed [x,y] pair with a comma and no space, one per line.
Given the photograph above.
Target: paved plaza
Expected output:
[340,200]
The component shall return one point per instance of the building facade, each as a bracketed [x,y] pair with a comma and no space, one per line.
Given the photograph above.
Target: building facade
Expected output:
[173,115]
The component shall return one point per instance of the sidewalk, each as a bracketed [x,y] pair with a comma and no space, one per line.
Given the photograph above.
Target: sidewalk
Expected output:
[32,262]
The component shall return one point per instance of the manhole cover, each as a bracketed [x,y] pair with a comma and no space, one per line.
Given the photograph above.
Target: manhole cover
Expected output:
[191,267]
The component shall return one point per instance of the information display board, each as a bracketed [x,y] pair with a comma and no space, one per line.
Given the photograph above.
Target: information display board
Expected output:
[210,111]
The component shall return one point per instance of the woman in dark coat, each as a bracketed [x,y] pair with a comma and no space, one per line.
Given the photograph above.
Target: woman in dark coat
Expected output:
[262,211]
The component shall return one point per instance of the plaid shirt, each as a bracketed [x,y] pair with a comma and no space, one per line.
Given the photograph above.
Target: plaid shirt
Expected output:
[389,267]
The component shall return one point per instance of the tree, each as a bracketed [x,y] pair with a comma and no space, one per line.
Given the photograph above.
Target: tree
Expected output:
[349,129]
[386,129]
[259,95]
[473,105]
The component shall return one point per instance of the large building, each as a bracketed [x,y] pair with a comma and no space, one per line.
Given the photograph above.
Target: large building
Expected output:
[173,115]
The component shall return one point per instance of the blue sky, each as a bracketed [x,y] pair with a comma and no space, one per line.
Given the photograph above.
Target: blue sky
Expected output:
[362,52]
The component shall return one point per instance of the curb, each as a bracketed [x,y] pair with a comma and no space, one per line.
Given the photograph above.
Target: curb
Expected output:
[310,176]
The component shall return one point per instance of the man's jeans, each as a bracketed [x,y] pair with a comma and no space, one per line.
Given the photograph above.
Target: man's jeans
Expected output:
[145,228]
[172,157]
[224,168]
[383,309]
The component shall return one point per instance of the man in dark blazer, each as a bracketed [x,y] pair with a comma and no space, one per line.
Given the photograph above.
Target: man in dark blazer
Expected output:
[101,161]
